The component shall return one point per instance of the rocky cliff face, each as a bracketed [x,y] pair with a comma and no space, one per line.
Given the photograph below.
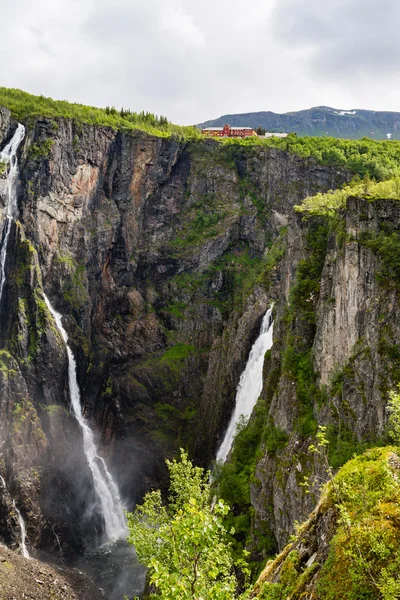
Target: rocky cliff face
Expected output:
[163,256]
[335,355]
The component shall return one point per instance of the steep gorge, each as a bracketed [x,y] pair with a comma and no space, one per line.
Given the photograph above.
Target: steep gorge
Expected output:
[163,256]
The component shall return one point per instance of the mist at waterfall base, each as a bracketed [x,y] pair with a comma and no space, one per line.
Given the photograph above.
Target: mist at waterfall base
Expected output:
[113,565]
[250,383]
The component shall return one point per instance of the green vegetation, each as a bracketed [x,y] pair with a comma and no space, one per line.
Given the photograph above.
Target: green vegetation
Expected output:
[334,200]
[380,160]
[25,424]
[343,445]
[233,480]
[41,150]
[364,559]
[386,245]
[364,552]
[178,352]
[184,545]
[205,219]
[6,364]
[297,360]
[394,415]
[24,106]
[55,409]
[73,280]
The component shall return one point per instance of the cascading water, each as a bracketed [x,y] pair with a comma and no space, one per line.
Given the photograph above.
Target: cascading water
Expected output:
[250,383]
[9,156]
[106,490]
[21,522]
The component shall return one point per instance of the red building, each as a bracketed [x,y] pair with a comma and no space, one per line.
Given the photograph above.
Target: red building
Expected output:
[228,131]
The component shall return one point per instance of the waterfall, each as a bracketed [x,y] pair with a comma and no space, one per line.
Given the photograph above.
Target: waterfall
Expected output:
[250,383]
[9,156]
[21,522]
[106,490]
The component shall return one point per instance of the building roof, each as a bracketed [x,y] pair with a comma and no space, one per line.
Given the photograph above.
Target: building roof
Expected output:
[221,128]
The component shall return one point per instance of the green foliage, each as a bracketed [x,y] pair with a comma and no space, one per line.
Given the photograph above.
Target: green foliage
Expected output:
[41,150]
[185,545]
[24,106]
[6,360]
[203,219]
[343,445]
[386,245]
[363,563]
[380,160]
[305,291]
[297,356]
[178,352]
[73,282]
[364,559]
[332,201]
[54,409]
[394,415]
[233,480]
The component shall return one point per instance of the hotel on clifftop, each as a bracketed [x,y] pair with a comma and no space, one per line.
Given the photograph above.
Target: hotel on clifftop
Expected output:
[228,131]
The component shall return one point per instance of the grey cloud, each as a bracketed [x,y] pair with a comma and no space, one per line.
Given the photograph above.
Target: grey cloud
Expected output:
[193,60]
[345,37]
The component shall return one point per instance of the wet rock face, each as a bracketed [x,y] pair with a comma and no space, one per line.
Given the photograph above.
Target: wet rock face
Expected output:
[149,247]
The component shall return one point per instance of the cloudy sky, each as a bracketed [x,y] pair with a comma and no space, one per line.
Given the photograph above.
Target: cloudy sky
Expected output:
[193,60]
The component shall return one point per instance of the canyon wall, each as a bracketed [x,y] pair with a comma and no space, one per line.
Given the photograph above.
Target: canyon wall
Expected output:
[163,255]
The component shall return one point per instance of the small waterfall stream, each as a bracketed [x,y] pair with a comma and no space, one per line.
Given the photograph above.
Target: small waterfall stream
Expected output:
[9,156]
[250,383]
[106,490]
[24,549]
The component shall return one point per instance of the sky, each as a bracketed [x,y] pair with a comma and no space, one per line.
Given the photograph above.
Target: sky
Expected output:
[193,60]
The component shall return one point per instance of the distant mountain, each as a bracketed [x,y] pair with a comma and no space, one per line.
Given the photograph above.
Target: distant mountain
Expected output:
[319,121]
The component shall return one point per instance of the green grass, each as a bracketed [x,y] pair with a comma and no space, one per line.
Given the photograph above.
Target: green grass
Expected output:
[24,106]
[178,352]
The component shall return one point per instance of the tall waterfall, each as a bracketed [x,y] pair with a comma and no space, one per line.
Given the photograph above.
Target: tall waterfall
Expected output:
[9,156]
[21,522]
[106,490]
[250,383]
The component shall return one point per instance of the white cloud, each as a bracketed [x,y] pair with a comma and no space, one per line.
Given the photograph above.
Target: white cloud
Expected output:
[193,60]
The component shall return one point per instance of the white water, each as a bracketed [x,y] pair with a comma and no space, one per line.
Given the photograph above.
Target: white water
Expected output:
[250,383]
[22,527]
[106,490]
[9,156]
